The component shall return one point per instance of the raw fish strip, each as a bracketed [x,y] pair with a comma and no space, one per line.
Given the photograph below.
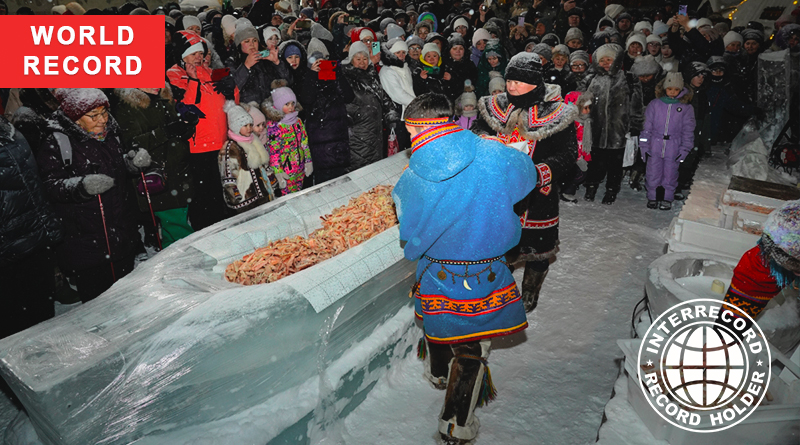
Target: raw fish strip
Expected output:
[362,218]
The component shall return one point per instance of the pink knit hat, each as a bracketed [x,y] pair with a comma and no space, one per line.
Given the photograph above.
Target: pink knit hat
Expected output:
[256,114]
[75,102]
[282,96]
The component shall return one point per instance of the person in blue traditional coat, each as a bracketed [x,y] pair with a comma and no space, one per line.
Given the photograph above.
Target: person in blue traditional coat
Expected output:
[532,116]
[455,204]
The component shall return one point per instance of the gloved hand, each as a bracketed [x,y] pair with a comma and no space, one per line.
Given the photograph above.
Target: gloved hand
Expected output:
[582,164]
[140,159]
[96,184]
[680,157]
[226,87]
[282,178]
[644,157]
[309,168]
[183,128]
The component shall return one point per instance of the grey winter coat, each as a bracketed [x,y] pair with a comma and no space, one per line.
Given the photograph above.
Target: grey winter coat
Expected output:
[26,222]
[617,108]
[367,113]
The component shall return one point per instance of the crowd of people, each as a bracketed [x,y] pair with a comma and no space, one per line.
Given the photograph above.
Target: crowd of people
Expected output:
[262,101]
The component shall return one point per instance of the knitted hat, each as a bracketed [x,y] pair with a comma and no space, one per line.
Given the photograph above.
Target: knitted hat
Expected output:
[413,40]
[673,80]
[468,98]
[641,26]
[780,238]
[716,62]
[397,45]
[732,36]
[455,39]
[430,47]
[480,34]
[574,34]
[638,38]
[75,8]
[58,10]
[308,12]
[366,33]
[355,48]
[394,30]
[652,38]
[283,6]
[190,20]
[316,45]
[697,69]
[321,33]
[243,32]
[75,102]
[526,68]
[282,96]
[607,50]
[551,39]
[614,10]
[270,31]
[581,55]
[292,49]
[429,17]
[575,11]
[228,24]
[704,22]
[561,49]
[237,116]
[753,34]
[255,113]
[496,81]
[645,66]
[385,23]
[543,50]
[660,27]
[190,43]
[461,21]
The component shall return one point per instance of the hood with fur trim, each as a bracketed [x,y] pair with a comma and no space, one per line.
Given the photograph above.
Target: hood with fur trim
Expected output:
[550,117]
[684,97]
[138,98]
[273,114]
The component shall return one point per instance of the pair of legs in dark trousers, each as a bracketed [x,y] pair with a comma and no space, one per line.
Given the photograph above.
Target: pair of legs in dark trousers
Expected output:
[28,286]
[605,162]
[459,368]
[208,206]
[94,281]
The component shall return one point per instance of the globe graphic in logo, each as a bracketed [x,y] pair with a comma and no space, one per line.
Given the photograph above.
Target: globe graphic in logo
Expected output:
[704,368]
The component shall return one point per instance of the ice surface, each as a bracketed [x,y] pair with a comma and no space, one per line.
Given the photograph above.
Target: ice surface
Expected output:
[174,346]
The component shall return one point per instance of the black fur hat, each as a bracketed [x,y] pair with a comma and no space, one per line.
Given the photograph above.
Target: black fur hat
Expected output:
[527,68]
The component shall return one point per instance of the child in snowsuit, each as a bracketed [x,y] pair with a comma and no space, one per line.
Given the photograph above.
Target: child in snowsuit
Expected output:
[583,129]
[667,138]
[240,161]
[290,157]
[466,107]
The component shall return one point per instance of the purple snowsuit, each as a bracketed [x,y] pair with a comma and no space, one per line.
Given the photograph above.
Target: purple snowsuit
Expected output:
[666,140]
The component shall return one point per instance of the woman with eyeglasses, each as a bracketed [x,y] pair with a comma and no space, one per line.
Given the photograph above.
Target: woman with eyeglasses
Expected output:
[85,169]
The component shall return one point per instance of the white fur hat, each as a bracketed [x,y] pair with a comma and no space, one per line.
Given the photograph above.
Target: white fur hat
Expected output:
[638,38]
[642,26]
[732,36]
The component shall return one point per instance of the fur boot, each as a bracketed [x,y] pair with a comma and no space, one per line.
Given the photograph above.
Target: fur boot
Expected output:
[457,421]
[531,286]
[437,364]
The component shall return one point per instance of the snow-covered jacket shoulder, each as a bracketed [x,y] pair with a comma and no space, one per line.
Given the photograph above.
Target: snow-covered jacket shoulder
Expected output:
[27,221]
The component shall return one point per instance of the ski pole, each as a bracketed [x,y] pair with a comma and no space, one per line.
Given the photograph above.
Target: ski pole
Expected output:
[108,243]
[150,203]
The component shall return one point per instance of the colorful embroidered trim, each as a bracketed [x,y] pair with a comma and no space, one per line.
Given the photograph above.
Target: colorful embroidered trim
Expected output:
[492,138]
[477,335]
[433,134]
[499,113]
[439,304]
[532,224]
[427,122]
[463,263]
[545,174]
[535,121]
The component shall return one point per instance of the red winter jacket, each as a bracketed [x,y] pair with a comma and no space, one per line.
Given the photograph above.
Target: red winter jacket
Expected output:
[212,129]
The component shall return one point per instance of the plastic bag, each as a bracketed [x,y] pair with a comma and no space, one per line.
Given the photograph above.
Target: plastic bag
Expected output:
[393,146]
[630,150]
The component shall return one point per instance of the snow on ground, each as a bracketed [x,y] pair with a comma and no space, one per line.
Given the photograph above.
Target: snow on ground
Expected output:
[554,379]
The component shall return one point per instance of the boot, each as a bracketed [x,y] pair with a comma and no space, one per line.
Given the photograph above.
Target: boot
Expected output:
[635,181]
[609,197]
[591,190]
[568,198]
[652,204]
[665,205]
[679,196]
[531,285]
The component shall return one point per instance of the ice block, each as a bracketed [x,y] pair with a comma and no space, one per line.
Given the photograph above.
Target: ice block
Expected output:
[173,346]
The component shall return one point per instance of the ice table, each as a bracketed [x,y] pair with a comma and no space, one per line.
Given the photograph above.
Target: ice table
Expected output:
[173,346]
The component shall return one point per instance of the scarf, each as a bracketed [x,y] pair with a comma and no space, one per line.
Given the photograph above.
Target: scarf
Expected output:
[254,150]
[530,98]
[470,113]
[586,121]
[430,68]
[290,118]
[669,100]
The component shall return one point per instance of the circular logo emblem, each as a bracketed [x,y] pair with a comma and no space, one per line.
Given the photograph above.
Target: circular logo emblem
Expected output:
[701,375]
[680,109]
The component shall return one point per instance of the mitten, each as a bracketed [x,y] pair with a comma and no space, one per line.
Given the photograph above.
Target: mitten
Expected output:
[226,87]
[141,158]
[309,169]
[96,184]
[582,164]
[282,178]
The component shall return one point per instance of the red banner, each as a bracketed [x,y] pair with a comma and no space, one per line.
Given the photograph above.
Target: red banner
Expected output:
[82,51]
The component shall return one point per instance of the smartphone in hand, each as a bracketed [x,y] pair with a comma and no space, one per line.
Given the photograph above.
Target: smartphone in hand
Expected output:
[521,21]
[683,10]
[264,54]
[376,48]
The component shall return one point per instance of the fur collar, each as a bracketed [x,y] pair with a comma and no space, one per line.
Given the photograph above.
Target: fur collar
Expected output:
[685,96]
[551,117]
[273,114]
[137,98]
[389,59]
[63,124]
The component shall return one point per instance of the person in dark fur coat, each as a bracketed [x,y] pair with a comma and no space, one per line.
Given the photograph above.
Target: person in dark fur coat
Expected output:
[147,119]
[533,116]
[28,231]
[99,168]
[370,109]
[617,111]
